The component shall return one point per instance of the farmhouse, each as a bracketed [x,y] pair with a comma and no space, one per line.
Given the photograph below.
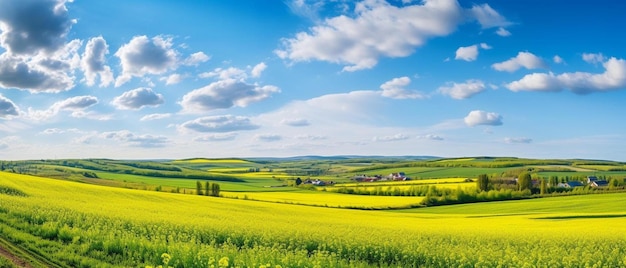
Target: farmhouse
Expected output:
[399,176]
[591,179]
[600,183]
[570,184]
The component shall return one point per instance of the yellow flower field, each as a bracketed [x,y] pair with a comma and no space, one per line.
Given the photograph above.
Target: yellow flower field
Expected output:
[84,225]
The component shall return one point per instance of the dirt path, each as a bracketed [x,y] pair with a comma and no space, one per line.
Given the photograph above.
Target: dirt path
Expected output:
[14,259]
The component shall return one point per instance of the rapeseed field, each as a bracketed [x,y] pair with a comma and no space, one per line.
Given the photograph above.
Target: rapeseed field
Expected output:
[80,225]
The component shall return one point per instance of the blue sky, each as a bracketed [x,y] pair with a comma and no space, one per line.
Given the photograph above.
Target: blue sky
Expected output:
[179,79]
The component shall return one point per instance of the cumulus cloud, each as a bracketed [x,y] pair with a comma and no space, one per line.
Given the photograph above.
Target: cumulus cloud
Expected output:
[172,79]
[268,137]
[221,123]
[135,140]
[395,89]
[225,74]
[34,76]
[216,137]
[503,32]
[8,109]
[94,62]
[137,98]
[518,140]
[225,94]
[557,59]
[469,53]
[258,69]
[196,58]
[142,56]
[298,122]
[22,34]
[378,29]
[523,59]
[487,17]
[613,78]
[77,105]
[461,91]
[151,117]
[396,137]
[594,58]
[478,117]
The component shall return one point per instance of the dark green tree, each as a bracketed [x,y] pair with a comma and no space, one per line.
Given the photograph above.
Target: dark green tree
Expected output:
[482,183]
[524,181]
[198,188]
[207,188]
[544,187]
[215,189]
[298,181]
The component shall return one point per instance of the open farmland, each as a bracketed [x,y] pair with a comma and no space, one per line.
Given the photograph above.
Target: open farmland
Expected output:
[95,226]
[148,213]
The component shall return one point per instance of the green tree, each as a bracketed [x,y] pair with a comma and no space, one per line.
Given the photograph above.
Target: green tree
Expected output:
[215,189]
[614,183]
[482,183]
[298,181]
[554,180]
[544,187]
[524,181]
[207,188]
[198,188]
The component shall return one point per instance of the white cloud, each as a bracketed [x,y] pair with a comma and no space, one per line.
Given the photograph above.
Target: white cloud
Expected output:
[135,140]
[258,69]
[268,137]
[216,137]
[557,59]
[22,34]
[8,109]
[461,91]
[431,137]
[151,117]
[311,137]
[225,74]
[613,78]
[93,62]
[222,123]
[518,140]
[478,117]
[225,94]
[142,56]
[503,32]
[396,137]
[394,89]
[379,29]
[297,122]
[77,105]
[35,76]
[593,58]
[52,131]
[469,53]
[172,79]
[523,59]
[137,98]
[487,17]
[196,58]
